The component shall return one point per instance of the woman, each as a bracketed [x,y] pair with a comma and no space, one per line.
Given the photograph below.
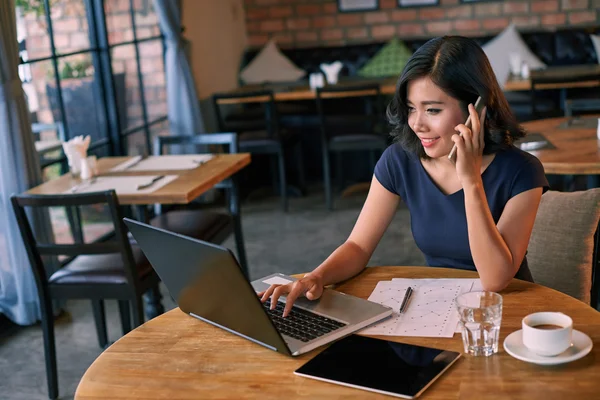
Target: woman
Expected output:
[475,212]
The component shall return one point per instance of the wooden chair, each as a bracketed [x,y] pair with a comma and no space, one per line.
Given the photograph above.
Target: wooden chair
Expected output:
[108,269]
[201,224]
[344,130]
[564,249]
[259,132]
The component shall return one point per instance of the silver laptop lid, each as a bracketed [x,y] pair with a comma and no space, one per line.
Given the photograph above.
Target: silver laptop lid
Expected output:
[207,282]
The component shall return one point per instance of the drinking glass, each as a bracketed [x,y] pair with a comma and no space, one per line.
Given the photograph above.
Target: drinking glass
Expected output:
[480,318]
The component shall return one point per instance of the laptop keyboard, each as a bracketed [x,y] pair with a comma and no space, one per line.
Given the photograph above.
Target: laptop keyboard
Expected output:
[301,324]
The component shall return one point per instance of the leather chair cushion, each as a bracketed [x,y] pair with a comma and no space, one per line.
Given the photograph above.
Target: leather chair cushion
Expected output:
[198,224]
[100,269]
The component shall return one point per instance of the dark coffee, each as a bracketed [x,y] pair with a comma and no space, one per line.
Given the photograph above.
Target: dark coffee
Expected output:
[547,327]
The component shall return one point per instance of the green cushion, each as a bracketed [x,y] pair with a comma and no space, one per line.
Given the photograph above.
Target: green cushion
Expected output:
[389,61]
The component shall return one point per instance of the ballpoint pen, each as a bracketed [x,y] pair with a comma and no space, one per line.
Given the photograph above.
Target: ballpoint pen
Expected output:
[407,297]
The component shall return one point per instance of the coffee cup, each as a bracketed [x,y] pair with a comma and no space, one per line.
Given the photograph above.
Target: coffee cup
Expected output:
[547,333]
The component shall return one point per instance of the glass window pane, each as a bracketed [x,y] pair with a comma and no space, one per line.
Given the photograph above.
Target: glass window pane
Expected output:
[69,25]
[136,144]
[41,77]
[118,21]
[125,70]
[153,75]
[146,20]
[32,30]
[81,97]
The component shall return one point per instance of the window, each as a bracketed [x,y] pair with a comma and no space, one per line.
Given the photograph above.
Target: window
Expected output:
[92,67]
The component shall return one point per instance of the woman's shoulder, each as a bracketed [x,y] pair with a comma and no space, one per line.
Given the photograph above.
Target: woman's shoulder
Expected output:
[513,158]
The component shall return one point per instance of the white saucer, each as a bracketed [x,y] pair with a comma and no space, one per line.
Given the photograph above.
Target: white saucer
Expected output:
[582,345]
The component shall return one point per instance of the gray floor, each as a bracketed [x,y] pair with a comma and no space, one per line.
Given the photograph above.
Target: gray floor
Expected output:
[291,242]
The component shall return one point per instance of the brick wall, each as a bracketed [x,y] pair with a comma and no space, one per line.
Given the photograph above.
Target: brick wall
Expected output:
[304,23]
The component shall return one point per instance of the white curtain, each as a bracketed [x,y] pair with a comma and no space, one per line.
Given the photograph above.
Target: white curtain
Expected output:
[19,171]
[185,117]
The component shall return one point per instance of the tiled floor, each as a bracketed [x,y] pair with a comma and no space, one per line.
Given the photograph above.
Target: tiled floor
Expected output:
[291,242]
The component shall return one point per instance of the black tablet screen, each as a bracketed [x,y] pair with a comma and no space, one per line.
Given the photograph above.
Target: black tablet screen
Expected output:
[395,368]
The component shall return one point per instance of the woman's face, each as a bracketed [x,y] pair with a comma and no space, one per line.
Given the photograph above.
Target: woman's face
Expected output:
[432,115]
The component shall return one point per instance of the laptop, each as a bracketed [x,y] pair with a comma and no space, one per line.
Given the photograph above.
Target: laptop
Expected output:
[207,283]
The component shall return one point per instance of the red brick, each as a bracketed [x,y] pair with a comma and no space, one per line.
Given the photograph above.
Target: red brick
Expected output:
[306,37]
[297,23]
[356,33]
[265,2]
[331,34]
[308,9]
[278,12]
[526,21]
[330,8]
[257,40]
[274,25]
[575,4]
[283,38]
[515,7]
[408,30]
[257,13]
[253,27]
[544,6]
[490,9]
[554,19]
[383,31]
[460,12]
[493,24]
[385,4]
[404,15]
[462,25]
[440,27]
[582,17]
[349,19]
[324,22]
[380,17]
[429,13]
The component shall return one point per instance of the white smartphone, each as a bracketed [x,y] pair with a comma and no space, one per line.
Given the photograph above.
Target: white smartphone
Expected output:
[478,108]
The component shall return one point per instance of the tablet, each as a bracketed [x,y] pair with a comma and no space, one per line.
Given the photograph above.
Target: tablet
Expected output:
[397,369]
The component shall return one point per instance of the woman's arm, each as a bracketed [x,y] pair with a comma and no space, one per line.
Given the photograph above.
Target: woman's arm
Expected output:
[498,250]
[352,257]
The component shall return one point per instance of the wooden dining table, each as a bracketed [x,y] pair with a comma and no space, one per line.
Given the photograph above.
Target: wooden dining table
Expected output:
[175,356]
[577,147]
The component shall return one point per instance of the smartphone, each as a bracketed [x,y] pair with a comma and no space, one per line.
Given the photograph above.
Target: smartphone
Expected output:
[478,108]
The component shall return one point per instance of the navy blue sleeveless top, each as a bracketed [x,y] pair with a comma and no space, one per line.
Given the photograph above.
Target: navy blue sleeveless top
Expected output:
[438,221]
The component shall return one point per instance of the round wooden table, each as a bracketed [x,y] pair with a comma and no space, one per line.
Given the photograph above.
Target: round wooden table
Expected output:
[175,356]
[577,147]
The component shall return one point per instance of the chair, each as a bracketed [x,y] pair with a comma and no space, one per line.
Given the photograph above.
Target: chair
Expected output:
[259,132]
[581,104]
[564,249]
[346,129]
[200,224]
[108,269]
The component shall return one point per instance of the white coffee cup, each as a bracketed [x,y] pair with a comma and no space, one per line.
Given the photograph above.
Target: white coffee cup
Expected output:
[543,341]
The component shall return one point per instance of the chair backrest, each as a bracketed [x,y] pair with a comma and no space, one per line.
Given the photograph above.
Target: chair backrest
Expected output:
[22,204]
[564,245]
[583,104]
[254,110]
[358,107]
[229,140]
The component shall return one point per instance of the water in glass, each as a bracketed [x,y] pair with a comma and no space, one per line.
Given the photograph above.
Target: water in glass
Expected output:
[480,318]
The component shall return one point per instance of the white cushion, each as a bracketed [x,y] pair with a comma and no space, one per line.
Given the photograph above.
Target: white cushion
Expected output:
[499,48]
[596,42]
[270,65]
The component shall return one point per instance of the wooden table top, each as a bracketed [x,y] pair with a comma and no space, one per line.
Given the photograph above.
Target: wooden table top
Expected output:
[577,148]
[189,185]
[175,356]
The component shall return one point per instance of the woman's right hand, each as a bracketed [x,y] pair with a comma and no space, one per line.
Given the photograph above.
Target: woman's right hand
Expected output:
[310,286]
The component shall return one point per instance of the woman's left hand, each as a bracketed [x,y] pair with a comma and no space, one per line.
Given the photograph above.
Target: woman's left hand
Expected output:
[469,152]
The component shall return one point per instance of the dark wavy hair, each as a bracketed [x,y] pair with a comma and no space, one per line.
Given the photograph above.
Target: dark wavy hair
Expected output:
[459,67]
